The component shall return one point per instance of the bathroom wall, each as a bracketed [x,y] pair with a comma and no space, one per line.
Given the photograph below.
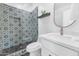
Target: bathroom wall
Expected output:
[46,25]
[17,28]
[74,28]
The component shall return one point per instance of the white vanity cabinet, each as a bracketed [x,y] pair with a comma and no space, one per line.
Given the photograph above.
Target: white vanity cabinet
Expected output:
[50,48]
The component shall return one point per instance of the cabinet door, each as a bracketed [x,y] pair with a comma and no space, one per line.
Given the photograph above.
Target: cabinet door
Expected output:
[57,49]
[46,52]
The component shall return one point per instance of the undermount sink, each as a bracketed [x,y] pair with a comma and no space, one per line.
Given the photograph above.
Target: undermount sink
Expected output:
[63,37]
[58,36]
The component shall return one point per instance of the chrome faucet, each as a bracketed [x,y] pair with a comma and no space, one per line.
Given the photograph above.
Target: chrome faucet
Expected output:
[61,31]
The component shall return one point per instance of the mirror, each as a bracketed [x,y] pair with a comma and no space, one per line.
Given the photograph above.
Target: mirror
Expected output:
[63,16]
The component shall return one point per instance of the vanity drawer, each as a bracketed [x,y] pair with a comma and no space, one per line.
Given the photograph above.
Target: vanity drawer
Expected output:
[58,49]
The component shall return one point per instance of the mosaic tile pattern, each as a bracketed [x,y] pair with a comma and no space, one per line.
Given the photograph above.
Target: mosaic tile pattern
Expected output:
[17,26]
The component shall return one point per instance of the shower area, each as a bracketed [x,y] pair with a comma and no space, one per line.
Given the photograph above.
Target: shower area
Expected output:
[18,28]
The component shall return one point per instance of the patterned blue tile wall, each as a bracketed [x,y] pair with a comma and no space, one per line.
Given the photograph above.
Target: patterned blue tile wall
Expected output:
[17,26]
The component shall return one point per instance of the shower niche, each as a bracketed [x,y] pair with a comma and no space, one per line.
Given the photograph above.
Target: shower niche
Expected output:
[18,28]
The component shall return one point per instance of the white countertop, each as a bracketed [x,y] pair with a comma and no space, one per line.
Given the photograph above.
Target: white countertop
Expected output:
[68,40]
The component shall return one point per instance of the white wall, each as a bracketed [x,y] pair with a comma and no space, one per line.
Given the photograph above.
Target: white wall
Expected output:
[73,29]
[46,25]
